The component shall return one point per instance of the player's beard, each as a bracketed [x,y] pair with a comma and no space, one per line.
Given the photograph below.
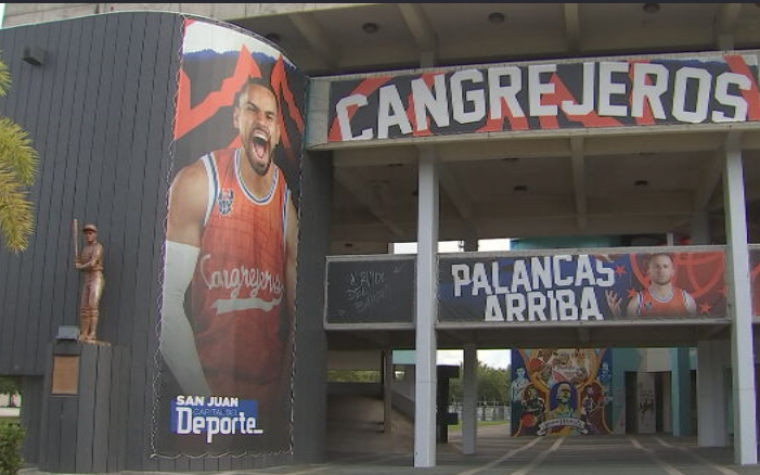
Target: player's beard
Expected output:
[259,155]
[260,168]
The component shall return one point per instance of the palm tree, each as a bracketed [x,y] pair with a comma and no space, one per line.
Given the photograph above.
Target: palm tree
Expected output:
[18,169]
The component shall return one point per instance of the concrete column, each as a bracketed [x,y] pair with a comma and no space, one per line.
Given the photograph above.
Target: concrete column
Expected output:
[700,227]
[387,390]
[471,245]
[711,394]
[739,305]
[427,311]
[711,391]
[470,399]
[680,391]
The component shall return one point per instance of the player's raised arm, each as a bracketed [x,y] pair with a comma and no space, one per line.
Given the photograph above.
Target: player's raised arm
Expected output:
[188,201]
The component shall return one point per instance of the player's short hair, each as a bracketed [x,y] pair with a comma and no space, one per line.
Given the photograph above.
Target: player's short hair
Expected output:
[658,254]
[257,81]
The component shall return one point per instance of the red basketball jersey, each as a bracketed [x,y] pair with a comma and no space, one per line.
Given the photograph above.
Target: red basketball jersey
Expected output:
[676,305]
[239,282]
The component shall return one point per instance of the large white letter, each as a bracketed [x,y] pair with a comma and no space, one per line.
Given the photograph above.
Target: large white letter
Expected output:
[497,92]
[476,97]
[557,267]
[391,113]
[737,102]
[567,308]
[480,279]
[589,305]
[344,122]
[425,100]
[536,307]
[583,271]
[461,275]
[515,307]
[520,277]
[607,272]
[704,84]
[651,92]
[536,89]
[493,309]
[496,281]
[184,419]
[587,103]
[607,88]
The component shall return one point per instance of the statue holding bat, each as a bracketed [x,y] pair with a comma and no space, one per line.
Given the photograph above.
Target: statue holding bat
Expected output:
[90,262]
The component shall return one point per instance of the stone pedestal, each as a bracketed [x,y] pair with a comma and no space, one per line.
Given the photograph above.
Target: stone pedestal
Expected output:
[84,405]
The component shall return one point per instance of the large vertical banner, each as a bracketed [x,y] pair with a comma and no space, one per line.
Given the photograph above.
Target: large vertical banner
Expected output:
[225,363]
[561,391]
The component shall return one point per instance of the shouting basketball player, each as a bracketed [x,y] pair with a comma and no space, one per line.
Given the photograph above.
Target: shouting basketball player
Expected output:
[232,239]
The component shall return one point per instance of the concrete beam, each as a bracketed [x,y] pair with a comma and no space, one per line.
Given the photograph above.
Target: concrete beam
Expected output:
[419,26]
[710,180]
[579,179]
[458,196]
[317,38]
[725,24]
[358,187]
[572,27]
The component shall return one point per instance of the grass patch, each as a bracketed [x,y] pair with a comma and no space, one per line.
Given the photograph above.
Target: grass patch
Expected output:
[480,424]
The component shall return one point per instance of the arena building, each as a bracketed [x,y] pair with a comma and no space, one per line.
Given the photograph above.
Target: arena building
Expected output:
[617,144]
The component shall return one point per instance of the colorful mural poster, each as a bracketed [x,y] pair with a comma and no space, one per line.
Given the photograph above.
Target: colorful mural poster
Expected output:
[555,287]
[225,360]
[561,391]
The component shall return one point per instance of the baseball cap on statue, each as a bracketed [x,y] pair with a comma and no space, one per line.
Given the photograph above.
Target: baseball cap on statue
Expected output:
[90,227]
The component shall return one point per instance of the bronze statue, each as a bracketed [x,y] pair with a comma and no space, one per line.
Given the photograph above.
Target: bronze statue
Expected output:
[90,262]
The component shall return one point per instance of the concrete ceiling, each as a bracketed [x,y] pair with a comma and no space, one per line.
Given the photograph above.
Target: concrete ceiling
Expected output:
[597,185]
[332,40]
[642,184]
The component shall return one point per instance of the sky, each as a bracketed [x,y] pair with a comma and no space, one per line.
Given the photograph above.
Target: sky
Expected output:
[494,358]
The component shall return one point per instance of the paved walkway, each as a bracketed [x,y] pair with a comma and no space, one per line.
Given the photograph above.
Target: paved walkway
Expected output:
[503,455]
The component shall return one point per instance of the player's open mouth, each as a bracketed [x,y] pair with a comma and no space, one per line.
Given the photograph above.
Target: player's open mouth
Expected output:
[260,143]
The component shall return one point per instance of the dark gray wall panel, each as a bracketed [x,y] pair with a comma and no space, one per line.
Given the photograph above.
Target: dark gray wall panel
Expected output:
[8,262]
[33,122]
[68,434]
[98,123]
[310,384]
[53,100]
[100,111]
[31,417]
[101,413]
[85,402]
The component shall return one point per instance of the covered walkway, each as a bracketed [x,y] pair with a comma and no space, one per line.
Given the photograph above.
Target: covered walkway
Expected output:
[500,454]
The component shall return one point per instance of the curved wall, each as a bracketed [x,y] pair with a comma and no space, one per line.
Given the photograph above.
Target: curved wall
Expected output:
[101,110]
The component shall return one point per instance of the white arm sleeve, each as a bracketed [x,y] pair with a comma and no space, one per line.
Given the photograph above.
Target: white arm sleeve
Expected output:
[177,339]
[691,305]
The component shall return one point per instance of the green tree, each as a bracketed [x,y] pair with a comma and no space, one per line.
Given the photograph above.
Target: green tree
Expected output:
[10,385]
[493,384]
[11,440]
[18,169]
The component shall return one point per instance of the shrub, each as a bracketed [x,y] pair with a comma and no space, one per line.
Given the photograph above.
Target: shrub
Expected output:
[11,438]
